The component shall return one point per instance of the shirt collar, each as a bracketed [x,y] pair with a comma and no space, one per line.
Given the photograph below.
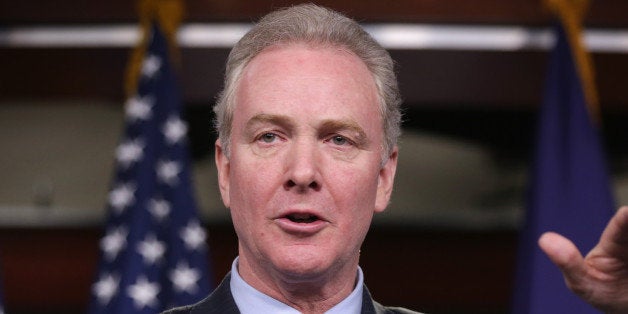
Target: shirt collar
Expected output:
[249,300]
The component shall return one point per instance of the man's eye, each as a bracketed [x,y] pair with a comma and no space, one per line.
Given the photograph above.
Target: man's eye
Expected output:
[339,140]
[268,137]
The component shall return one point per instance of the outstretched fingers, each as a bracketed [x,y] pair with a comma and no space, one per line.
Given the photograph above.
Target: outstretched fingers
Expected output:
[614,240]
[600,278]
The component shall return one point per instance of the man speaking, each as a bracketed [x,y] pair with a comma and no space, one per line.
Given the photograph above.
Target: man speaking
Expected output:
[308,124]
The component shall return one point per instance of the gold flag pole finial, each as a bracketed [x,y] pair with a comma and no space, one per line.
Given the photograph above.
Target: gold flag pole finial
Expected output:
[168,14]
[571,14]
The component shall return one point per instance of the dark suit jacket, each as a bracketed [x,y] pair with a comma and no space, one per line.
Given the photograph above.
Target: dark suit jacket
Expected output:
[221,302]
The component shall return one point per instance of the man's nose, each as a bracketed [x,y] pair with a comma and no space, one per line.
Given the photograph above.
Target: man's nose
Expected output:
[302,167]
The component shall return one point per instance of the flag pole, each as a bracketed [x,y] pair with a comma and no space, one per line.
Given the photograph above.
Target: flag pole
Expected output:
[168,15]
[571,14]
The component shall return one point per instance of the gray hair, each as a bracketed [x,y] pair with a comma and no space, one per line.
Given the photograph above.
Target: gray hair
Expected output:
[314,25]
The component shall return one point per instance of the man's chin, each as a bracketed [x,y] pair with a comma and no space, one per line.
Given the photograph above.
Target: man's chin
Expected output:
[303,269]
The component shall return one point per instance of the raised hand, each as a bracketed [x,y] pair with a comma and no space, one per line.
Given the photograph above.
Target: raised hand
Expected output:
[601,277]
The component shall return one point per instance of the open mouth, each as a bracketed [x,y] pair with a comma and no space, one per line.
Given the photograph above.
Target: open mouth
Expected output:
[302,218]
[301,224]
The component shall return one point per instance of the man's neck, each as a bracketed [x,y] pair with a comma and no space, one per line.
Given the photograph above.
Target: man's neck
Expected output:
[315,294]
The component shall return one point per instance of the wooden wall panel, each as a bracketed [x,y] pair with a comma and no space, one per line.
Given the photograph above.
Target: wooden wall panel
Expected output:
[428,77]
[607,13]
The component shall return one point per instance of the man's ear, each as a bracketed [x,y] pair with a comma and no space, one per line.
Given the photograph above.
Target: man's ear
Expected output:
[386,180]
[223,167]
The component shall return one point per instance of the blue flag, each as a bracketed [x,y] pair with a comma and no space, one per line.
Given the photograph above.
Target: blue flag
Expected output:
[154,253]
[569,190]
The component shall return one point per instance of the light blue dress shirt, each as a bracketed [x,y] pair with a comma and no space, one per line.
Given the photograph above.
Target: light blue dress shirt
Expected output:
[251,301]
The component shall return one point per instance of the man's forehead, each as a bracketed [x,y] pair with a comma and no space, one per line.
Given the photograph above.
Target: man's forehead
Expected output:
[313,49]
[336,87]
[301,61]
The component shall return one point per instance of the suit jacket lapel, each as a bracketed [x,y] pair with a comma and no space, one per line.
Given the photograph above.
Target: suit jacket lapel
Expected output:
[220,301]
[368,305]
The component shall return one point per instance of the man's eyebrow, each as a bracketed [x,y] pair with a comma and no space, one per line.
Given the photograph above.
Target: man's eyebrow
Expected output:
[261,118]
[335,125]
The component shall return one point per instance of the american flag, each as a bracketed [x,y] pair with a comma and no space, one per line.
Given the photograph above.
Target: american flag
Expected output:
[153,253]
